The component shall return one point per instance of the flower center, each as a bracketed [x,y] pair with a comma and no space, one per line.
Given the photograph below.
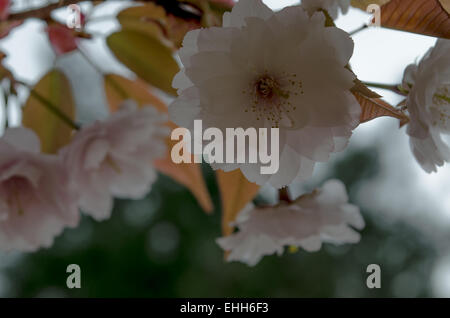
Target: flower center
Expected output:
[440,109]
[266,86]
[271,98]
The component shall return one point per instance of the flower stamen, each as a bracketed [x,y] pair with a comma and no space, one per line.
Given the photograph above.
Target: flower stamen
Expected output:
[271,98]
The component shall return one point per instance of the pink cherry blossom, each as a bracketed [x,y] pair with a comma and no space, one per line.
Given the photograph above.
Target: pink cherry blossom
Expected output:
[35,201]
[321,216]
[114,158]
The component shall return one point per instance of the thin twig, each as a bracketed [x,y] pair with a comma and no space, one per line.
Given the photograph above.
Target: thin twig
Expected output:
[42,12]
[283,195]
[365,26]
[90,62]
[174,7]
[393,88]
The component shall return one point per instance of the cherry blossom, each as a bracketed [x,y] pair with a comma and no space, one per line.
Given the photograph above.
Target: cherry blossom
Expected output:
[114,157]
[321,216]
[266,69]
[428,103]
[36,203]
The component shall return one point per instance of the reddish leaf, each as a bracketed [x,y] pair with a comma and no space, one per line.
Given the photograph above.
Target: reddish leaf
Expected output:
[225,3]
[62,39]
[177,28]
[4,9]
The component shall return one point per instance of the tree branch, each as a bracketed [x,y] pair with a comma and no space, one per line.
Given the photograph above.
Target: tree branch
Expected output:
[42,12]
[174,7]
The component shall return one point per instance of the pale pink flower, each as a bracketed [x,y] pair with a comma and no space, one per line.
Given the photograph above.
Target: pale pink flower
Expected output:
[35,201]
[321,216]
[114,157]
[264,69]
[428,104]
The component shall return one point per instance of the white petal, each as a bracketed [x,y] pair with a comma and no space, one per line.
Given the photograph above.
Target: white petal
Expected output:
[244,9]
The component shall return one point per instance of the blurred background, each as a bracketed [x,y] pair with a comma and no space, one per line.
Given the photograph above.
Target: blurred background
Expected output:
[164,245]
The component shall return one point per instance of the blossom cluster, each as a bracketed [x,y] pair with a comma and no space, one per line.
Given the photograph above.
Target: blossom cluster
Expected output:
[40,194]
[290,70]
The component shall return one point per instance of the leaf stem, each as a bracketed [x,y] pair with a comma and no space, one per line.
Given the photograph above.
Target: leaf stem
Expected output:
[50,107]
[361,28]
[393,88]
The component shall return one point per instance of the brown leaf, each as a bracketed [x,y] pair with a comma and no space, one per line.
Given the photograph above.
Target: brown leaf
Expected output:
[375,107]
[7,26]
[52,131]
[362,89]
[426,17]
[446,5]
[236,192]
[118,89]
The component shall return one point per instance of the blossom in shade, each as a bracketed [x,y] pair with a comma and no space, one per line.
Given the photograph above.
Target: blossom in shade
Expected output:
[321,216]
[428,103]
[262,70]
[36,202]
[114,157]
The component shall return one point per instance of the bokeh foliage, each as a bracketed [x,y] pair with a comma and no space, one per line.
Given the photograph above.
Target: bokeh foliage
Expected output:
[163,246]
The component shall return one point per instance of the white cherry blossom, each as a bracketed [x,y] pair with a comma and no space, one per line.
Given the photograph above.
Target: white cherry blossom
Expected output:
[264,69]
[428,103]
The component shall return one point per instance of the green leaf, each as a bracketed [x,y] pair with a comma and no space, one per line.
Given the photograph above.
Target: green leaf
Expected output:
[149,18]
[51,96]
[146,56]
